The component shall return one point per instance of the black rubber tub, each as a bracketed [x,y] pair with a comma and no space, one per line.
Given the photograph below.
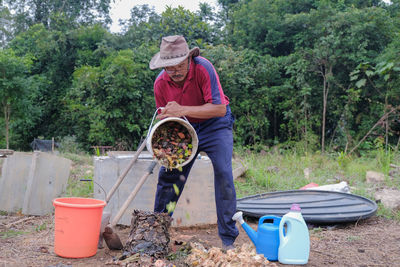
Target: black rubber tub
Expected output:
[317,206]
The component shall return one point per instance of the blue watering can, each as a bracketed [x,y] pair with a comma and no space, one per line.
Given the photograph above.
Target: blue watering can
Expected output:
[266,239]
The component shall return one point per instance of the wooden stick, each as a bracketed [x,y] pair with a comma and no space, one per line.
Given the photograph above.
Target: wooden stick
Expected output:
[394,166]
[19,221]
[122,176]
[373,127]
[133,194]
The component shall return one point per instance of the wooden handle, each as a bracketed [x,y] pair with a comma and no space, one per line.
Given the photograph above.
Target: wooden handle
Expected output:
[133,194]
[122,176]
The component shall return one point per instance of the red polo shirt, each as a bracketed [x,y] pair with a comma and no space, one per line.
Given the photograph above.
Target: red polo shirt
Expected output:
[201,86]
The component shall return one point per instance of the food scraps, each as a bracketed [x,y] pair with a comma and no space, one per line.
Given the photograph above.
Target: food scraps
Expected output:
[172,144]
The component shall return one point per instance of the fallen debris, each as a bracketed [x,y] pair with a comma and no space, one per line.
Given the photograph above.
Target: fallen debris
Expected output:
[6,152]
[339,187]
[241,256]
[19,221]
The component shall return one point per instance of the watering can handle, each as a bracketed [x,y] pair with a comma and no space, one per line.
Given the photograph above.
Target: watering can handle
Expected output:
[276,219]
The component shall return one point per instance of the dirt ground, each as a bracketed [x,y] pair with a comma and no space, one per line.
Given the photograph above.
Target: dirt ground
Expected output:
[29,241]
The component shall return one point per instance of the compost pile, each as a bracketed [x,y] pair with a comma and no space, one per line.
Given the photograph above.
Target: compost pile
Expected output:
[149,235]
[172,144]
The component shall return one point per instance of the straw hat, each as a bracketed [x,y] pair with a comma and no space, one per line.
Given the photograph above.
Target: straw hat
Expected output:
[173,50]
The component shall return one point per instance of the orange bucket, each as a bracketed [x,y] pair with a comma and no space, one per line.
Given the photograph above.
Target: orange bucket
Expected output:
[77,226]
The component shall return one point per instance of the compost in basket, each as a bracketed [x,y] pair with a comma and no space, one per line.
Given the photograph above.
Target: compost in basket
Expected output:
[173,142]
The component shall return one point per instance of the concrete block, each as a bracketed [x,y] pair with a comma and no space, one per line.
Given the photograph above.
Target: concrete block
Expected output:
[30,181]
[14,178]
[196,205]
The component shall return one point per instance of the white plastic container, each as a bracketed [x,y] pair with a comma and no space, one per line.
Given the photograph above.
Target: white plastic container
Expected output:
[339,187]
[294,246]
[187,125]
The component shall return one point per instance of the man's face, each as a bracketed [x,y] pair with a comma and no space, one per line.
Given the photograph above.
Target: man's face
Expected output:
[178,72]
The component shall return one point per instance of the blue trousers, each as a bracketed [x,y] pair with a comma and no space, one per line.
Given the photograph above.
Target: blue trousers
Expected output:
[215,138]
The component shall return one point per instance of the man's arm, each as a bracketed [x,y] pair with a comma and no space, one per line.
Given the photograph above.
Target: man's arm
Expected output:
[206,111]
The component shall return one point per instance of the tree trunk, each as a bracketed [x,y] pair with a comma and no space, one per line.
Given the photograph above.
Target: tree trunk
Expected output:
[323,116]
[305,132]
[7,122]
[275,124]
[386,125]
[325,75]
[328,74]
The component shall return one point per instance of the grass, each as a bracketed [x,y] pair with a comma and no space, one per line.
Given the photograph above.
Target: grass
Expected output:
[353,238]
[12,233]
[78,188]
[387,213]
[79,159]
[82,169]
[284,170]
[42,227]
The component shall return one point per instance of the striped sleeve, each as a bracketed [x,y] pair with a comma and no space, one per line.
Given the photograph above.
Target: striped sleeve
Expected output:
[209,82]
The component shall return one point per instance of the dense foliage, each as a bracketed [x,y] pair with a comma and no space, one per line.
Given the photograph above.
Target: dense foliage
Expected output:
[317,74]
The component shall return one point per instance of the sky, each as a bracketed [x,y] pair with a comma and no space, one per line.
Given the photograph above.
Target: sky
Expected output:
[121,8]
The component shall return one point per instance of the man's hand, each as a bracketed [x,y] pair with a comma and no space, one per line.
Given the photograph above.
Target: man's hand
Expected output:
[172,109]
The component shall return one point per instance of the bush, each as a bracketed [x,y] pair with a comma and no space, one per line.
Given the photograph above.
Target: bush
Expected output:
[68,144]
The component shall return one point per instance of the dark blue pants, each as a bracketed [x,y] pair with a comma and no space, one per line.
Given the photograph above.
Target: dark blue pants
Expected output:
[215,138]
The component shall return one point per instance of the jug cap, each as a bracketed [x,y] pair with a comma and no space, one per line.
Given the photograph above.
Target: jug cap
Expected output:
[295,207]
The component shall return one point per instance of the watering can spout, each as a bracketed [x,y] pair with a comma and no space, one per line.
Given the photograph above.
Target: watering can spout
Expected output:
[238,216]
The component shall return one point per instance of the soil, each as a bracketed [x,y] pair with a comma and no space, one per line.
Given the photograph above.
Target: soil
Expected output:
[29,241]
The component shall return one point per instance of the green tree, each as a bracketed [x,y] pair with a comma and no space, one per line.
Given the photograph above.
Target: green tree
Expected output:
[260,25]
[147,27]
[56,55]
[113,103]
[5,26]
[49,12]
[91,44]
[53,60]
[247,79]
[384,78]
[143,26]
[180,21]
[13,87]
[333,44]
[299,122]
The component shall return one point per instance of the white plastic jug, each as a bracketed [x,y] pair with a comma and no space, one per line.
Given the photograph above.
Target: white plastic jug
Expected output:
[294,246]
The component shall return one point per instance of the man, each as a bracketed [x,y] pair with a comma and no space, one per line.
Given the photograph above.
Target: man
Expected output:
[189,86]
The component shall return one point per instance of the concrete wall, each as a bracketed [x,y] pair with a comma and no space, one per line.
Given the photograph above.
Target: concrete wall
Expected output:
[196,205]
[30,181]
